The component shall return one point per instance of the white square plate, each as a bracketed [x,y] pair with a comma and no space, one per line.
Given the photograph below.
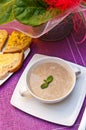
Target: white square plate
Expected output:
[65,112]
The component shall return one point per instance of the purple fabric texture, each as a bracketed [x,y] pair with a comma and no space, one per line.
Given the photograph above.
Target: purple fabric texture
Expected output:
[70,49]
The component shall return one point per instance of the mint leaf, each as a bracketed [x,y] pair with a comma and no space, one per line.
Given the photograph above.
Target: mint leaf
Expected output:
[45,85]
[47,82]
[49,79]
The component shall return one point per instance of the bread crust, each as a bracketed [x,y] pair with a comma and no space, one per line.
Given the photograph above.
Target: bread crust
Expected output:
[10,62]
[19,64]
[3,38]
[17,42]
[14,50]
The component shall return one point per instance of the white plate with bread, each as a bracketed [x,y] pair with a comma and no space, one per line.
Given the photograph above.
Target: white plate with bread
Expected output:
[14,49]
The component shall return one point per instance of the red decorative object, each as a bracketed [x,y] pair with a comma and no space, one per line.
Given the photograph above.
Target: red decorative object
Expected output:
[63,4]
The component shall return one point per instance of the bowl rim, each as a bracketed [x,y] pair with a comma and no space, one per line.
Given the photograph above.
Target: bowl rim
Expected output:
[45,60]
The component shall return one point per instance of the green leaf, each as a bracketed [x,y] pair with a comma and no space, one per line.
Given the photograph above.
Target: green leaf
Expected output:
[33,12]
[6,11]
[29,12]
[49,79]
[44,85]
[47,82]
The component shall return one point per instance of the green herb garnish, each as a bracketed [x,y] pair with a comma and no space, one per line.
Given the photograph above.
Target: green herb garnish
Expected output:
[47,82]
[49,79]
[44,85]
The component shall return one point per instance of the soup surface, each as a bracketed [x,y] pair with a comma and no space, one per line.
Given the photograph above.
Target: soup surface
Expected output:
[59,87]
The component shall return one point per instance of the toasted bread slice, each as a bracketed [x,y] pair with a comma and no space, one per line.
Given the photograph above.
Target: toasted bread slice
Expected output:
[10,62]
[17,42]
[3,38]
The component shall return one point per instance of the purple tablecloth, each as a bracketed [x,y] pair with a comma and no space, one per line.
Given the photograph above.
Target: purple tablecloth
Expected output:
[70,49]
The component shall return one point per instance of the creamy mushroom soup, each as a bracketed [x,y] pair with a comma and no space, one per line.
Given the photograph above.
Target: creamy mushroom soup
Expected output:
[59,86]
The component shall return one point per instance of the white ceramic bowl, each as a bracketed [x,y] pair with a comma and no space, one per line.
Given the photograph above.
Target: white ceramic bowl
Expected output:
[48,60]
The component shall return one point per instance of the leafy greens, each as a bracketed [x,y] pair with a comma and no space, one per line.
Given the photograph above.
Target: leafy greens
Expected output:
[29,12]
